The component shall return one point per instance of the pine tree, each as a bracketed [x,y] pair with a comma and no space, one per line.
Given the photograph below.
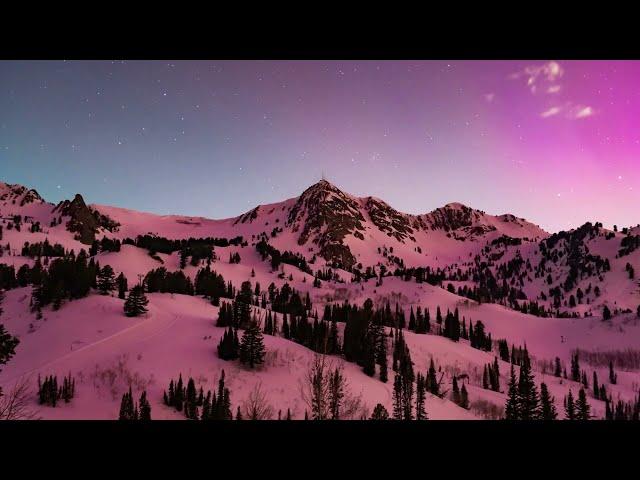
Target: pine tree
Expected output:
[528,400]
[582,406]
[122,286]
[575,368]
[421,388]
[455,391]
[336,390]
[397,397]
[547,407]
[464,397]
[136,302]
[127,409]
[569,407]
[512,406]
[228,348]
[179,394]
[613,377]
[379,413]
[183,258]
[558,369]
[106,280]
[432,383]
[145,407]
[252,347]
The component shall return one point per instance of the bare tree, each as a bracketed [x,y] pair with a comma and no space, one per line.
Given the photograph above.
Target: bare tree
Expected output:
[325,390]
[256,407]
[314,388]
[14,405]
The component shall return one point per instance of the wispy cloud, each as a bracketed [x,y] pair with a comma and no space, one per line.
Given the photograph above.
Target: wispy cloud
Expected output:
[545,79]
[550,112]
[582,111]
[489,97]
[543,75]
[570,111]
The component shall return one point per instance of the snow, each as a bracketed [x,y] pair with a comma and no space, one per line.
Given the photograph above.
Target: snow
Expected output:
[106,351]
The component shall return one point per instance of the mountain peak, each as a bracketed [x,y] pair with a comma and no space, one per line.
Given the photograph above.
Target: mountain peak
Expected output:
[322,185]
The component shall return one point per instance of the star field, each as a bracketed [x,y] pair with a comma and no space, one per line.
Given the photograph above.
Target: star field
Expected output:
[556,142]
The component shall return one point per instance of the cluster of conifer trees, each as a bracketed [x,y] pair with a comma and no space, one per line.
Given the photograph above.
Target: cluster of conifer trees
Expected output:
[491,376]
[197,406]
[42,249]
[578,409]
[129,410]
[523,401]
[69,277]
[200,247]
[50,392]
[104,245]
[265,250]
[622,410]
[212,285]
[160,280]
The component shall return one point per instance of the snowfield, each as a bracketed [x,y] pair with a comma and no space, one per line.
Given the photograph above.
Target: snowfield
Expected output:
[107,352]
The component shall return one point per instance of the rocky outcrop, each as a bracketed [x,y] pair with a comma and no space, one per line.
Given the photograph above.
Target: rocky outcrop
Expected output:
[84,221]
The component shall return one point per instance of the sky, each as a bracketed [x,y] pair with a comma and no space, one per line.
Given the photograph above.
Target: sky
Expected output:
[556,142]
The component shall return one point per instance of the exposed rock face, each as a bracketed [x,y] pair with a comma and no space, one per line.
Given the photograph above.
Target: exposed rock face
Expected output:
[452,217]
[326,215]
[250,216]
[331,219]
[84,221]
[19,193]
[389,220]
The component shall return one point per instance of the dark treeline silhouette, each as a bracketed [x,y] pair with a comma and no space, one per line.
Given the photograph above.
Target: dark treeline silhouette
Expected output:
[265,250]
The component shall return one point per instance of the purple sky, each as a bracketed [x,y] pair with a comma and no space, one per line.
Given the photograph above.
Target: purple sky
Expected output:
[556,142]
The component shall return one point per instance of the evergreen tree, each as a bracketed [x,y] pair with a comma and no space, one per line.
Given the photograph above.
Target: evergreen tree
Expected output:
[557,372]
[136,302]
[106,280]
[122,286]
[569,407]
[547,407]
[8,344]
[455,391]
[145,407]
[528,400]
[127,409]
[252,347]
[380,413]
[464,397]
[229,348]
[421,388]
[336,390]
[613,377]
[397,397]
[575,368]
[512,406]
[582,406]
[432,384]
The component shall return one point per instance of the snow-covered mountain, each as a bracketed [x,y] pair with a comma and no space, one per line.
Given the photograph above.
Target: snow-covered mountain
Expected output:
[495,268]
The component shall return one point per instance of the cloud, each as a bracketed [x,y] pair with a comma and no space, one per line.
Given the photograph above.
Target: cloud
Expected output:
[545,79]
[535,75]
[489,97]
[582,111]
[570,110]
[550,112]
